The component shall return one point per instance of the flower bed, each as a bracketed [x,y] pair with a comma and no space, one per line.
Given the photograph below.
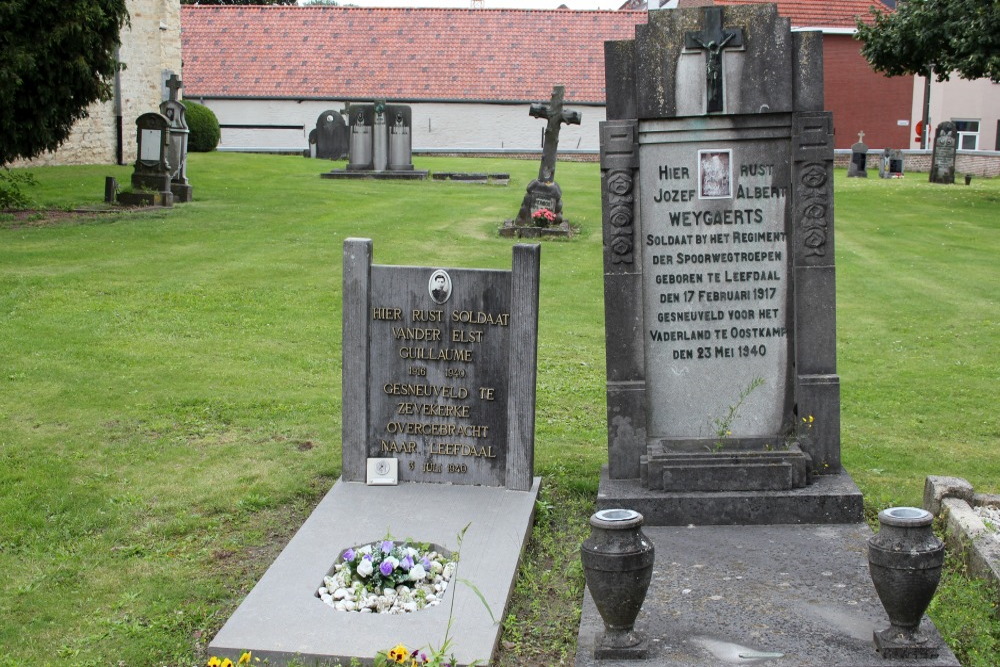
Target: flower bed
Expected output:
[388,577]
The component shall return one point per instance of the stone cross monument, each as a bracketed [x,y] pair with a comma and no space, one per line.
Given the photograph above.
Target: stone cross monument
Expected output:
[544,192]
[175,112]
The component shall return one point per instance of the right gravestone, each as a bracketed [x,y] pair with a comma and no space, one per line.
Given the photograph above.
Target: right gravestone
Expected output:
[717,189]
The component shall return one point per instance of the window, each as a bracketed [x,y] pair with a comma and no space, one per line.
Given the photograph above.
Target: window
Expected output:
[968,134]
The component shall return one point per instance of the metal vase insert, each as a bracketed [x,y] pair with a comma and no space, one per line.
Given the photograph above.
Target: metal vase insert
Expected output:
[905,560]
[618,564]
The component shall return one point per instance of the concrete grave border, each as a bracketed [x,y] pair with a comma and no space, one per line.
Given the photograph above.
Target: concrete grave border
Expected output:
[282,619]
[954,499]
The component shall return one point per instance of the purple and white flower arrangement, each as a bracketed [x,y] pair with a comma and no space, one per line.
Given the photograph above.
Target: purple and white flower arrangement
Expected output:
[388,577]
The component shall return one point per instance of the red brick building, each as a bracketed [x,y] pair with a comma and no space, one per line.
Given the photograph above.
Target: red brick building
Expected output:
[269,71]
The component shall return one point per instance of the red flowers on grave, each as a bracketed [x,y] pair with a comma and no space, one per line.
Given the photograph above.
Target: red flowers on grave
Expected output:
[542,217]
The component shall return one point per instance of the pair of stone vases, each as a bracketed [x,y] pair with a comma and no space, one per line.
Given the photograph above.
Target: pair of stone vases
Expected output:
[904,558]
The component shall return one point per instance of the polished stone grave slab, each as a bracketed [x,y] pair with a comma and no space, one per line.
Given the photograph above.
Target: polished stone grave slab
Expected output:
[282,618]
[794,595]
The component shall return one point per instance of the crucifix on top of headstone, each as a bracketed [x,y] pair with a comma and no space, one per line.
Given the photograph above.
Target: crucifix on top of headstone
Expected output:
[542,204]
[713,39]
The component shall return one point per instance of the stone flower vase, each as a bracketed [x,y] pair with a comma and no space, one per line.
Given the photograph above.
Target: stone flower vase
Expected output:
[905,560]
[618,563]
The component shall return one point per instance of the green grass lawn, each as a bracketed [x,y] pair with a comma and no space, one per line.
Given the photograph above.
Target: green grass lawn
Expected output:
[170,386]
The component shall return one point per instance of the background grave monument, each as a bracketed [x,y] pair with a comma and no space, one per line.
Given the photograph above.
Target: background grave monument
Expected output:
[178,149]
[891,165]
[438,384]
[543,193]
[943,156]
[858,168]
[717,162]
[380,143]
[151,173]
[329,139]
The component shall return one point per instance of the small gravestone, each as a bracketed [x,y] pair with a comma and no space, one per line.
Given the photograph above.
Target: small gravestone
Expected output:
[943,157]
[717,177]
[891,165]
[542,205]
[380,144]
[175,112]
[438,401]
[859,159]
[329,141]
[151,172]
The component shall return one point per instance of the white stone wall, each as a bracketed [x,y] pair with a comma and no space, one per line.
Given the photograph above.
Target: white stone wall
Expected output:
[151,50]
[436,125]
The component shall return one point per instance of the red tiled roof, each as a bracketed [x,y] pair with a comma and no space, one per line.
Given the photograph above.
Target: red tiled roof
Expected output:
[819,13]
[354,53]
[398,54]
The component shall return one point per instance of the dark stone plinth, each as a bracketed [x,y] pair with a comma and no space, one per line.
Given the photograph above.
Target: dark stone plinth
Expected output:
[767,595]
[512,230]
[182,192]
[164,199]
[892,645]
[829,499]
[415,175]
[474,177]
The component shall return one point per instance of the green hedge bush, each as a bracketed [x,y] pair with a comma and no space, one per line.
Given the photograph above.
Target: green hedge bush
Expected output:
[204,127]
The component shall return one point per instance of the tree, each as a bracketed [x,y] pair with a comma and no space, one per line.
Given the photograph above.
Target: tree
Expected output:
[58,59]
[935,36]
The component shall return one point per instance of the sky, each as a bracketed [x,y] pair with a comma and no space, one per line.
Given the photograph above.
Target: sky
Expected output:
[489,4]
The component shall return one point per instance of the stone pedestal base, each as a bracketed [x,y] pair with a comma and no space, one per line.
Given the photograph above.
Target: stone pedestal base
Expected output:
[165,199]
[414,175]
[603,650]
[512,230]
[182,192]
[922,645]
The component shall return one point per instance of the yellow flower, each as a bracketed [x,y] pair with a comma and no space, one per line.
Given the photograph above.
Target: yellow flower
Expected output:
[214,662]
[244,659]
[227,663]
[399,654]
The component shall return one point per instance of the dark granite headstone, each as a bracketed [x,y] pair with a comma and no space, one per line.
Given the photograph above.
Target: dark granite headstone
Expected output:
[543,192]
[330,136]
[891,165]
[717,172]
[859,159]
[178,150]
[151,173]
[439,369]
[943,159]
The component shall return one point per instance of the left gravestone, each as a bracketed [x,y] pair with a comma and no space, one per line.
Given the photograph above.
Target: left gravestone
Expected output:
[438,396]
[329,140]
[151,174]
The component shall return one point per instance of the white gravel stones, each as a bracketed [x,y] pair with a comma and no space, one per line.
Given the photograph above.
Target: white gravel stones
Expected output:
[345,591]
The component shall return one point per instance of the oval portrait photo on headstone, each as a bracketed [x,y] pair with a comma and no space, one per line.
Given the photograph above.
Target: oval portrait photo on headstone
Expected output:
[439,286]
